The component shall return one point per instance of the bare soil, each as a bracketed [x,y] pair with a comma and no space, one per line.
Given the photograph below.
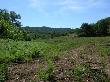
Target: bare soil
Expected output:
[24,72]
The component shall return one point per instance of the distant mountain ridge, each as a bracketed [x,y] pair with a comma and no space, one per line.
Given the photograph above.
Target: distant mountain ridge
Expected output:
[46,32]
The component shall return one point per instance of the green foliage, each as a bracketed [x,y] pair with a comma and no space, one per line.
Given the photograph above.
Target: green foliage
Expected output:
[104,48]
[77,31]
[87,29]
[11,49]
[49,49]
[10,26]
[10,16]
[45,32]
[3,71]
[79,72]
[45,72]
[8,30]
[21,51]
[96,75]
[101,28]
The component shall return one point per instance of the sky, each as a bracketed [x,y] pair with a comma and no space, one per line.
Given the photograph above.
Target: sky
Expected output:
[58,13]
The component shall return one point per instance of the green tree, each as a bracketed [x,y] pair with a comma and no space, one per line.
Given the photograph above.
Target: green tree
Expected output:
[15,18]
[10,27]
[10,16]
[4,14]
[87,29]
[102,27]
[8,30]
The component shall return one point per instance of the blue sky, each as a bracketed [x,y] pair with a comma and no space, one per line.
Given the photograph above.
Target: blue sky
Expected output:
[58,13]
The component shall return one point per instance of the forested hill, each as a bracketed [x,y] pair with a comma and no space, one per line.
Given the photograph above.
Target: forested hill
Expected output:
[46,32]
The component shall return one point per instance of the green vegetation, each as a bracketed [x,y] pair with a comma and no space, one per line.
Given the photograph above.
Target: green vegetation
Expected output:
[3,72]
[10,25]
[11,49]
[50,46]
[21,51]
[45,32]
[79,72]
[45,73]
[101,28]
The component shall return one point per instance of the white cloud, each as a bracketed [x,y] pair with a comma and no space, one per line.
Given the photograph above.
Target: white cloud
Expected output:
[47,6]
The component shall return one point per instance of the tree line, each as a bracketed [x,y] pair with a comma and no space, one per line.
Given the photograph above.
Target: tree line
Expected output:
[46,32]
[10,27]
[100,28]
